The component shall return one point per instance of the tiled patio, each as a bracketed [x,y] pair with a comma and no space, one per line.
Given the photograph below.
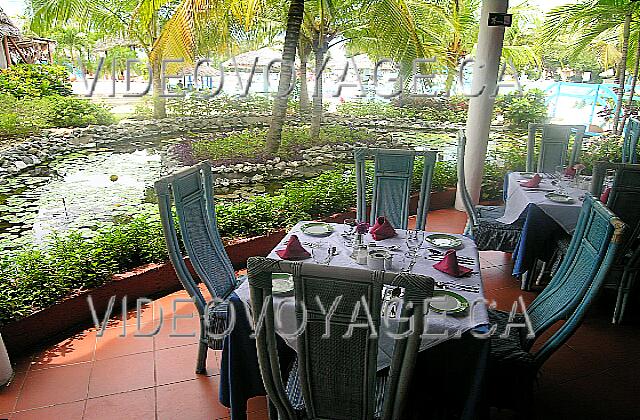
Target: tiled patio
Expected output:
[594,376]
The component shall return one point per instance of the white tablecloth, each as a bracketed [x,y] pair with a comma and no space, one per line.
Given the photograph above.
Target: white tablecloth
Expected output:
[518,198]
[440,327]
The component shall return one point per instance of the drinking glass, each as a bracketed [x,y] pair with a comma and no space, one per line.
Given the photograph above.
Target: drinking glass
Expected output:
[560,177]
[350,225]
[321,253]
[414,240]
[407,262]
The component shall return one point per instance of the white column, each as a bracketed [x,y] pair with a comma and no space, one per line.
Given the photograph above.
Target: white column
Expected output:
[6,371]
[485,74]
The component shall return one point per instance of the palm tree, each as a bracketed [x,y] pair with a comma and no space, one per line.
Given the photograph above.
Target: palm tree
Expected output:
[291,39]
[597,20]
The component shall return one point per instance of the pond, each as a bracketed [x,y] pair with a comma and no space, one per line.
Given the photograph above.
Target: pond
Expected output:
[94,186]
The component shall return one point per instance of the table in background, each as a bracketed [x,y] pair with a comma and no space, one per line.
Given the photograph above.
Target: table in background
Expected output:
[545,220]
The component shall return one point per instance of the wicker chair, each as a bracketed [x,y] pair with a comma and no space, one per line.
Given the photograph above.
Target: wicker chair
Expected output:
[482,226]
[624,201]
[630,145]
[568,296]
[191,192]
[553,146]
[337,375]
[393,173]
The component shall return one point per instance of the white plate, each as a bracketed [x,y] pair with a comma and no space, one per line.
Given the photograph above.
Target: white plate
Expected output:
[447,301]
[559,198]
[281,283]
[317,229]
[441,240]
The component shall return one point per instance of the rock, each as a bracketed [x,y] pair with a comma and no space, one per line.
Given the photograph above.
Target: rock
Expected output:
[27,160]
[81,140]
[19,165]
[257,178]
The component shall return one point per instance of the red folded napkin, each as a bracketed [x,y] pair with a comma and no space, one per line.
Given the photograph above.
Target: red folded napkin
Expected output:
[449,265]
[533,182]
[604,197]
[382,229]
[294,250]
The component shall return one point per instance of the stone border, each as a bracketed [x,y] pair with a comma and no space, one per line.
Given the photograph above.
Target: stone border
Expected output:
[52,143]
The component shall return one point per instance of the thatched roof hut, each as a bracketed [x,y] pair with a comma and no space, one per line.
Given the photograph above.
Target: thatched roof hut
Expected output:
[7,28]
[14,48]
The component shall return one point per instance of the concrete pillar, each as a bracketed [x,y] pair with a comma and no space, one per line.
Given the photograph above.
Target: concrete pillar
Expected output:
[485,74]
[6,371]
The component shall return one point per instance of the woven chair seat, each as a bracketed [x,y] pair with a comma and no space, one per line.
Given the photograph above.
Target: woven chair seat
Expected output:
[490,212]
[218,321]
[491,235]
[294,392]
[508,350]
[217,325]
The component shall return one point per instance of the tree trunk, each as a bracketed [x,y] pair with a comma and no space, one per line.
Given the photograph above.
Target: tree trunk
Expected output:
[317,108]
[451,75]
[304,104]
[159,103]
[634,80]
[622,68]
[294,20]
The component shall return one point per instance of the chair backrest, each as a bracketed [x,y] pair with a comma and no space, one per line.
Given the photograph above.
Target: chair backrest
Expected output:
[393,173]
[590,255]
[553,146]
[337,373]
[463,193]
[624,198]
[630,145]
[190,193]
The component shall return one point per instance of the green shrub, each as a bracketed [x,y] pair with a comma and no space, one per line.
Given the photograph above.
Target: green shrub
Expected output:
[444,175]
[370,109]
[518,110]
[32,279]
[200,106]
[452,109]
[607,147]
[35,80]
[21,116]
[249,144]
[74,112]
[28,115]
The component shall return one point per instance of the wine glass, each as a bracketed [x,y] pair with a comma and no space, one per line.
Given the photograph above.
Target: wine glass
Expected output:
[560,178]
[414,240]
[351,225]
[322,253]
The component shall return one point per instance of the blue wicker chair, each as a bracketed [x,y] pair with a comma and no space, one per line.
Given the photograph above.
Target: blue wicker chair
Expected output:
[513,367]
[630,145]
[553,146]
[191,193]
[337,375]
[482,226]
[624,201]
[393,173]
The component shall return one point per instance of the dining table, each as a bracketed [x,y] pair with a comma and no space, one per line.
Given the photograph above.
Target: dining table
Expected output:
[545,219]
[452,359]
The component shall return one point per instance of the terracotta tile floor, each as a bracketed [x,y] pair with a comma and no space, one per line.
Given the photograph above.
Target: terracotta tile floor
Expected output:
[594,376]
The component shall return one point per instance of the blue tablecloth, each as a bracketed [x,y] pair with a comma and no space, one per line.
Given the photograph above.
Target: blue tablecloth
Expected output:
[538,234]
[449,377]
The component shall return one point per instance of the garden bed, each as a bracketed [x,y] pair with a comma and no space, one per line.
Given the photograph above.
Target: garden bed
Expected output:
[72,314]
